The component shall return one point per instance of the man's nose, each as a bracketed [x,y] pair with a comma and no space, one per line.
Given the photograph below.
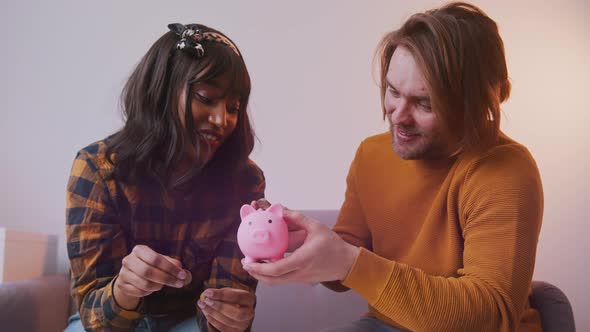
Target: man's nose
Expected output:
[401,113]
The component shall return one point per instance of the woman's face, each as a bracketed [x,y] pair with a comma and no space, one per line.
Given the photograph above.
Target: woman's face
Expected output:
[215,115]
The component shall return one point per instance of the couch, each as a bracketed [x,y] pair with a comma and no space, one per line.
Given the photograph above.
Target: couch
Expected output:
[43,304]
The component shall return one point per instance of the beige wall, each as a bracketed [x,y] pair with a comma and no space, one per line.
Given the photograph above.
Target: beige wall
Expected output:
[63,63]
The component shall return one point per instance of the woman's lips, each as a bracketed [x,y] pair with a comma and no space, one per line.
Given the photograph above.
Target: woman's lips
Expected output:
[213,138]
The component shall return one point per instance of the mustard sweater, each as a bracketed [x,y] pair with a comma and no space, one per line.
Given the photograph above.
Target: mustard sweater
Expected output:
[446,246]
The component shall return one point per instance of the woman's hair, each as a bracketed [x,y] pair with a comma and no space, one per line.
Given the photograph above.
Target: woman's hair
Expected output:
[461,55]
[152,141]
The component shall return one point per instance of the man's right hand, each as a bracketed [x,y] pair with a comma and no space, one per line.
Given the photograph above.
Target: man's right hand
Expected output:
[145,271]
[322,255]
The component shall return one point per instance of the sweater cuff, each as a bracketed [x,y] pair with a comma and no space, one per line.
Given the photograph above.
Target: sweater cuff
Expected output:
[369,275]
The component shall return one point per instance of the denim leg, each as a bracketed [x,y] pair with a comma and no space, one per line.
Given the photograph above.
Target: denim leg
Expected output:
[165,324]
[147,324]
[188,325]
[74,324]
[362,325]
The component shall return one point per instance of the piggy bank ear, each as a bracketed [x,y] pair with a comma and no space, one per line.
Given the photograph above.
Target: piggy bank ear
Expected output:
[276,209]
[246,210]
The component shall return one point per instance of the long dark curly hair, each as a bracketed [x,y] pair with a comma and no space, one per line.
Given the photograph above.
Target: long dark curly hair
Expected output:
[152,140]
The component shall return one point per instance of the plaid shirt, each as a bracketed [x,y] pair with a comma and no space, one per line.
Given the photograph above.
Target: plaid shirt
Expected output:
[105,219]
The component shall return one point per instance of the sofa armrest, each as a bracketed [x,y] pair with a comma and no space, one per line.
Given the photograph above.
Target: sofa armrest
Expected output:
[554,307]
[40,304]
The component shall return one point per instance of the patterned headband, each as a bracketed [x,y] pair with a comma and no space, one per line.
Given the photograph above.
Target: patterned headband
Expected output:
[191,38]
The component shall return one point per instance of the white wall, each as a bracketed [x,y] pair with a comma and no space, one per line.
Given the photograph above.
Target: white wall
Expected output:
[63,64]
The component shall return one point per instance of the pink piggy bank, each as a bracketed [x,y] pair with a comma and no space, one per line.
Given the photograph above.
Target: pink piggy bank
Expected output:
[263,234]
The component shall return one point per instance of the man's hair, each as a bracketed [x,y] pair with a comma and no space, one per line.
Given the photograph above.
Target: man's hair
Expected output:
[461,55]
[152,141]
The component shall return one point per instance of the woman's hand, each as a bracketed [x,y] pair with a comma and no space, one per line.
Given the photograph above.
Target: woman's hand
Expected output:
[145,271]
[228,309]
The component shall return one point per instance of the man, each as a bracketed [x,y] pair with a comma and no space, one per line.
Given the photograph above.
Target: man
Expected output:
[440,232]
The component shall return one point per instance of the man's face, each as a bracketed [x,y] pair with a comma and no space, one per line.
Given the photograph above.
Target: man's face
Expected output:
[415,129]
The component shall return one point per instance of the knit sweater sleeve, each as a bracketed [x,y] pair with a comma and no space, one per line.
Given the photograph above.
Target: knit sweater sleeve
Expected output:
[501,204]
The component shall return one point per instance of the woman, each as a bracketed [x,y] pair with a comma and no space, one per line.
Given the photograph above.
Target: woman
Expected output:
[153,210]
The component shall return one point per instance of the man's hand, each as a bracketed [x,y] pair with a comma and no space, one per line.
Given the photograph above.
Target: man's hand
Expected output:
[322,255]
[145,271]
[228,309]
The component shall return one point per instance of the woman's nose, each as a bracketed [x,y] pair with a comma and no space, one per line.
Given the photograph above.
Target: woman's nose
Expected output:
[218,115]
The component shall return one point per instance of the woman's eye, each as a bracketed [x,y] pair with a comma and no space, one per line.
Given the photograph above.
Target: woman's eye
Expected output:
[203,99]
[233,110]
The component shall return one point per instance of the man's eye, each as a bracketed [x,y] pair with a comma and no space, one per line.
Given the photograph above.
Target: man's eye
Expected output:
[393,91]
[425,106]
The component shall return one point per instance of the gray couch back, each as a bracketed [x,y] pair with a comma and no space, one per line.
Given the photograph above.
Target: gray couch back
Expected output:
[305,307]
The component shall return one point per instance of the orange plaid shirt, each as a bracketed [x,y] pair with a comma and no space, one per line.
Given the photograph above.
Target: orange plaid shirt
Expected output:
[106,218]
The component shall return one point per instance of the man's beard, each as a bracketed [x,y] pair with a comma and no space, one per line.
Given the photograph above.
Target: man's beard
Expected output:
[422,148]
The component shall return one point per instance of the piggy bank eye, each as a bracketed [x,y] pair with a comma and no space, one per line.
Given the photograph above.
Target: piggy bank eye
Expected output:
[269,221]
[249,223]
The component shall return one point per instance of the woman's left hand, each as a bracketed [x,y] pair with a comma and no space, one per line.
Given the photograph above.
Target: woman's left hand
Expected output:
[228,309]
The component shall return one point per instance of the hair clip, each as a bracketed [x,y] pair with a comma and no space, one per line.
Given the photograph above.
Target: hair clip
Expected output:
[191,38]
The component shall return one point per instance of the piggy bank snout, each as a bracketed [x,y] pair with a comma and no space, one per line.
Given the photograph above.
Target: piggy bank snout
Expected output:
[260,235]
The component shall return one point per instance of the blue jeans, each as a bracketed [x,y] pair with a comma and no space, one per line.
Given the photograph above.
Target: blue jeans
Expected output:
[364,324]
[147,324]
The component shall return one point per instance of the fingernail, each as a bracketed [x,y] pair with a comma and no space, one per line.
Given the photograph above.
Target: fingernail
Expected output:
[181,275]
[200,304]
[208,293]
[247,267]
[208,301]
[179,284]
